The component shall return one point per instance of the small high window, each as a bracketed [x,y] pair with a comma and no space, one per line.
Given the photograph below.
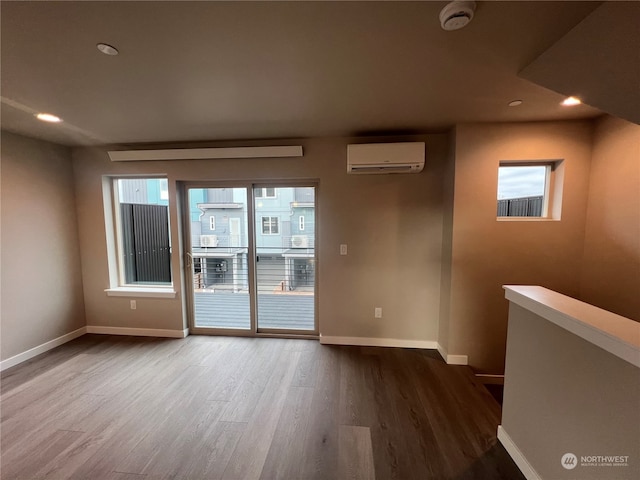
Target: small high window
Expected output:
[301,223]
[527,189]
[212,223]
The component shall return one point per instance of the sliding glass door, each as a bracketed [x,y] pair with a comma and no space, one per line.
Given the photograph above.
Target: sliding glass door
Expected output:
[285,258]
[251,259]
[219,258]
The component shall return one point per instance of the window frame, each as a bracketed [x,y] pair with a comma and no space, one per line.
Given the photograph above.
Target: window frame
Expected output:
[115,246]
[262,192]
[552,195]
[270,224]
[301,223]
[212,223]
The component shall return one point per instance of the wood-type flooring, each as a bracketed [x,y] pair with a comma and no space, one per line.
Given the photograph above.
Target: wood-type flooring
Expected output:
[132,408]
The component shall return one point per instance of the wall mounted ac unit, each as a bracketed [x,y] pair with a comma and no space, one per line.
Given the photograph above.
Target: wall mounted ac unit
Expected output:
[299,241]
[208,240]
[404,157]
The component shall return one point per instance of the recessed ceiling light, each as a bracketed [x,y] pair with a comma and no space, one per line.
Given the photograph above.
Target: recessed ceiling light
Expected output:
[571,101]
[47,117]
[107,49]
[515,103]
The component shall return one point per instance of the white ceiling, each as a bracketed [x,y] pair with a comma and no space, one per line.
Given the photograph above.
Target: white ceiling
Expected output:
[191,71]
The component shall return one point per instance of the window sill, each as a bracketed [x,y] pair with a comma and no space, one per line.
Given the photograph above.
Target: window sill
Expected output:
[527,219]
[149,292]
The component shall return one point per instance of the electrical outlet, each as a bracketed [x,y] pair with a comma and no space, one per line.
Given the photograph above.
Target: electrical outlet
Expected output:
[343,249]
[377,312]
[133,304]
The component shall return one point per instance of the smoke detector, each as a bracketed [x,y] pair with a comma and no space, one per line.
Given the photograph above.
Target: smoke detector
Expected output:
[457,15]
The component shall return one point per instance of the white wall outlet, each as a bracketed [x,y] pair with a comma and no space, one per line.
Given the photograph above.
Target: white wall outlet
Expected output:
[343,249]
[377,312]
[133,305]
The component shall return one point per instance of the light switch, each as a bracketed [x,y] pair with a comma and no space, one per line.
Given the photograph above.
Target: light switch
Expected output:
[343,249]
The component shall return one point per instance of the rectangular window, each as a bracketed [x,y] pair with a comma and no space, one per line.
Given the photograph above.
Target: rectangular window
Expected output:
[524,189]
[265,192]
[270,226]
[212,223]
[142,232]
[164,189]
[301,223]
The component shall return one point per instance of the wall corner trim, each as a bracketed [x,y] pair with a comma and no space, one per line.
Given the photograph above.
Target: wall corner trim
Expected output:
[514,452]
[138,332]
[378,342]
[45,347]
[452,359]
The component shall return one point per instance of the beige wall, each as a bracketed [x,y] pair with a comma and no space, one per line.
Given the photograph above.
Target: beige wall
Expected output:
[594,397]
[611,266]
[41,284]
[391,223]
[487,253]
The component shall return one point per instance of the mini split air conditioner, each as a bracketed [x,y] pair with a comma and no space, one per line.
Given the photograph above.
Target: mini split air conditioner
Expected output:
[208,240]
[405,157]
[299,241]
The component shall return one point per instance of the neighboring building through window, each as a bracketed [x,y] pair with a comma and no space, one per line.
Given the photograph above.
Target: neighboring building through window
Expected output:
[142,230]
[270,226]
[523,189]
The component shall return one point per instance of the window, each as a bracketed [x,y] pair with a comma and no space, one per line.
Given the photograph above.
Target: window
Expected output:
[265,192]
[212,223]
[301,223]
[525,189]
[142,232]
[270,226]
[164,189]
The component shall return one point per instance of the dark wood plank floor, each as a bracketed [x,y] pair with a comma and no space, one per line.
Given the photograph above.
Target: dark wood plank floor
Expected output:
[106,407]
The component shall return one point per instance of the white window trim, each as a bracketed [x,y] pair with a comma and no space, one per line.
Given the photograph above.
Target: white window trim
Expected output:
[261,192]
[147,292]
[118,287]
[270,217]
[552,196]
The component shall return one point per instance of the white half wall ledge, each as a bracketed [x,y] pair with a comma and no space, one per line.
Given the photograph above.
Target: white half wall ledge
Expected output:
[613,333]
[45,347]
[138,332]
[282,151]
[512,449]
[452,359]
[378,342]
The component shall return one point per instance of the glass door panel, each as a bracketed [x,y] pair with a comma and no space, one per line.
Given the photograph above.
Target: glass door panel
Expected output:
[219,254]
[285,258]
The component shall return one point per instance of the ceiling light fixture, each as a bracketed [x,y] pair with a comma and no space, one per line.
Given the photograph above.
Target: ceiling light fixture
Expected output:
[571,101]
[515,103]
[107,49]
[457,15]
[47,117]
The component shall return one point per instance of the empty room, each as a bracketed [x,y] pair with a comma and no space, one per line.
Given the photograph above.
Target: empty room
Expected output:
[320,240]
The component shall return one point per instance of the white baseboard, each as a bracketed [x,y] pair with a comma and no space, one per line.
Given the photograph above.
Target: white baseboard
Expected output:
[452,359]
[514,452]
[138,332]
[45,347]
[377,342]
[489,379]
